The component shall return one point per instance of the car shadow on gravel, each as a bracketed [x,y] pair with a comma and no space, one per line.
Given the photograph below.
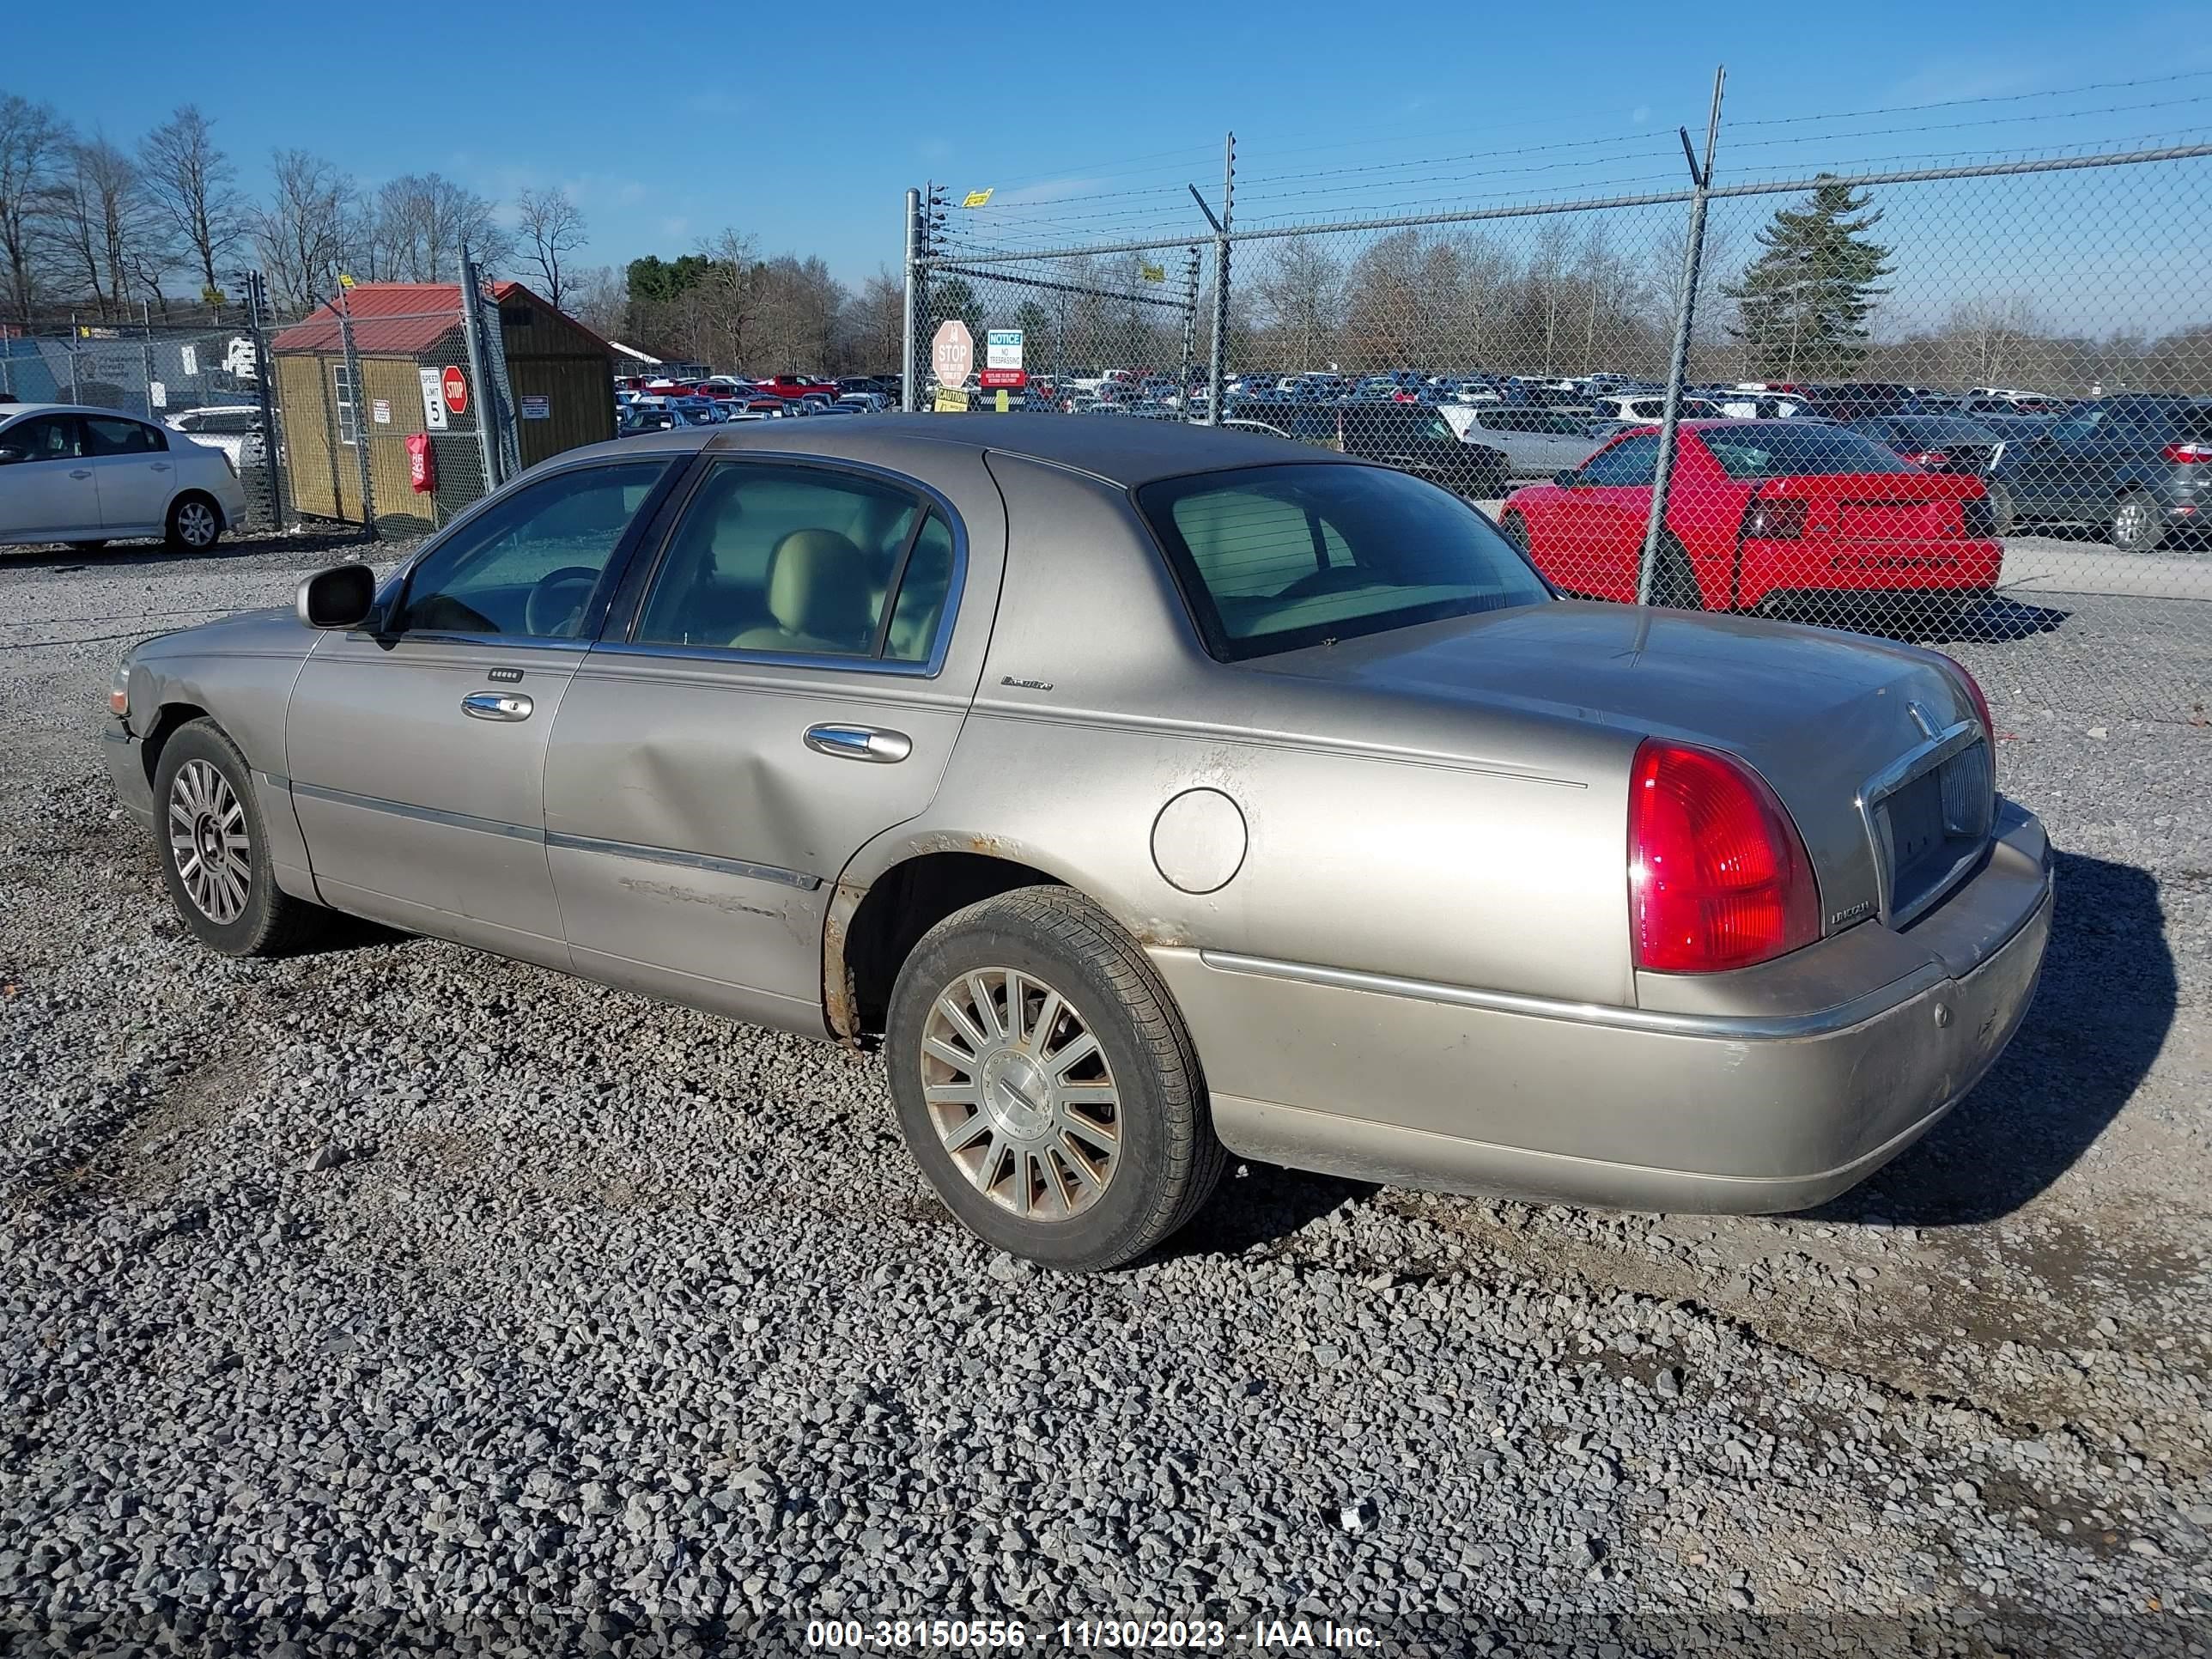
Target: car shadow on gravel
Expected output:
[2100,1018]
[1261,1204]
[336,544]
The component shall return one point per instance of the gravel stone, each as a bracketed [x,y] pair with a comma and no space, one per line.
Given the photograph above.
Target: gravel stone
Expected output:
[622,1323]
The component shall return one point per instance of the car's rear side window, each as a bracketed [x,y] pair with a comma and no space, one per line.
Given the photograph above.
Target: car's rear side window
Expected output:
[1775,452]
[1274,558]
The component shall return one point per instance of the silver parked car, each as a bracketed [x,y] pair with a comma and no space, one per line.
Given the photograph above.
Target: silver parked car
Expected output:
[73,473]
[1538,442]
[1147,794]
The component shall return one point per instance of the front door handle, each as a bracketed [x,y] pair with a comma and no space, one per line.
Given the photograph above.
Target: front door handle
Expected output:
[80,472]
[859,743]
[496,706]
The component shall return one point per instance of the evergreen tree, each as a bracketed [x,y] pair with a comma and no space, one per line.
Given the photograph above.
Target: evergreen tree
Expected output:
[1802,305]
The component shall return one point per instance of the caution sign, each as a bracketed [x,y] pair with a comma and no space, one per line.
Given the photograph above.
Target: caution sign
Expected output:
[951,400]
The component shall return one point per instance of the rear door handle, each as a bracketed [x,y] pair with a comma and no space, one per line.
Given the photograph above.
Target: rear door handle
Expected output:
[859,743]
[161,466]
[496,706]
[80,472]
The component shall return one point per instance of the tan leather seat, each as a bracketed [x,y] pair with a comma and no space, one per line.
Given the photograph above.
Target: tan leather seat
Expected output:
[819,594]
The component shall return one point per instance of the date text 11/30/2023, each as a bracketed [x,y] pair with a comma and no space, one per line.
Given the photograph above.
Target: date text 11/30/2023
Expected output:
[1085,1635]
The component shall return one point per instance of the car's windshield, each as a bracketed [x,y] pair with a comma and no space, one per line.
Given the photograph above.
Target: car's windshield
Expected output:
[1274,558]
[1778,452]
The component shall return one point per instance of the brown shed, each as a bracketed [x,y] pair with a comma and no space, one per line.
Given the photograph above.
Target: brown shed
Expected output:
[562,375]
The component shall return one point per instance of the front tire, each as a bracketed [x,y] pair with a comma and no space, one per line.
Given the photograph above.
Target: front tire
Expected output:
[195,524]
[1046,1085]
[215,849]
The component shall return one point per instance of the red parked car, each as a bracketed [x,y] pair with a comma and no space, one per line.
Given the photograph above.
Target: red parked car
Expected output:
[788,386]
[1762,515]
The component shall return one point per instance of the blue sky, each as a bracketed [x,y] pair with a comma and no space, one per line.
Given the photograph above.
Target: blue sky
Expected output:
[803,125]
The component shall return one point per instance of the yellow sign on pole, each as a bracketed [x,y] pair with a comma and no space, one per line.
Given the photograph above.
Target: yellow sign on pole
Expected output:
[951,400]
[976,198]
[1153,273]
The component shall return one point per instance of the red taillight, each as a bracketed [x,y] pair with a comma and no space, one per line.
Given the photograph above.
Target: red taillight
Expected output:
[1780,519]
[1718,874]
[1974,696]
[2189,454]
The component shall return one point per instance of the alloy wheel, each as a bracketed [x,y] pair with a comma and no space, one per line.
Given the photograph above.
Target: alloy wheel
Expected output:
[1020,1094]
[196,525]
[208,840]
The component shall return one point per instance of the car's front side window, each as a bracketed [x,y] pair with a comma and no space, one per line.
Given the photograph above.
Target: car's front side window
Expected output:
[1274,558]
[46,438]
[530,563]
[803,561]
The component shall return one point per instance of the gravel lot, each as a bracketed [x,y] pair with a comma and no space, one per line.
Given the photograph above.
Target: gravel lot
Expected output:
[395,1291]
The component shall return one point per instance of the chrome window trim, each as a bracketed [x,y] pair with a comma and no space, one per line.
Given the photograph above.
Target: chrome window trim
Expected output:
[1909,767]
[931,497]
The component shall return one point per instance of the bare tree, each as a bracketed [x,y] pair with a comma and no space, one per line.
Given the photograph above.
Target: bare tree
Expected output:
[33,141]
[875,322]
[422,221]
[1301,292]
[725,301]
[552,228]
[193,189]
[598,298]
[301,234]
[111,241]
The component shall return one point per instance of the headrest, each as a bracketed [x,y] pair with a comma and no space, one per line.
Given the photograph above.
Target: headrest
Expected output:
[817,585]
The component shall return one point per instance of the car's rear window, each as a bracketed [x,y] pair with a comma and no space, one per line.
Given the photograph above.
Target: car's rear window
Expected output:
[1274,558]
[1777,451]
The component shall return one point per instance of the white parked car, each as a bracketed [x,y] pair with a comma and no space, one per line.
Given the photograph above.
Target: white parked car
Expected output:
[235,428]
[1651,406]
[69,473]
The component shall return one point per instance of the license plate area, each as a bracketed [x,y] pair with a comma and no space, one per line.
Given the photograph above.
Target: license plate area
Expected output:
[1928,819]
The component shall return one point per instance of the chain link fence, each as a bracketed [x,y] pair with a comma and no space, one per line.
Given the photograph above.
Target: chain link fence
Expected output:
[387,410]
[1961,405]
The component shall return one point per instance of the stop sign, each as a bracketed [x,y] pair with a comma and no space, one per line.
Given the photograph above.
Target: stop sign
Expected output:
[455,386]
[953,352]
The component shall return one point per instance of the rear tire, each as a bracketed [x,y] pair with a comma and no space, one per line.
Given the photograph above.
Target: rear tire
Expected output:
[214,848]
[2003,517]
[1673,585]
[2137,525]
[195,524]
[1076,1132]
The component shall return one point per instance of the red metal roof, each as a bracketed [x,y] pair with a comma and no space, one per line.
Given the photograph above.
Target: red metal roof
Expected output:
[392,319]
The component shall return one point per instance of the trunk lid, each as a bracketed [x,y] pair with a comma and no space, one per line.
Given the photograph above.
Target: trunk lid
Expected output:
[1826,718]
[1881,506]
